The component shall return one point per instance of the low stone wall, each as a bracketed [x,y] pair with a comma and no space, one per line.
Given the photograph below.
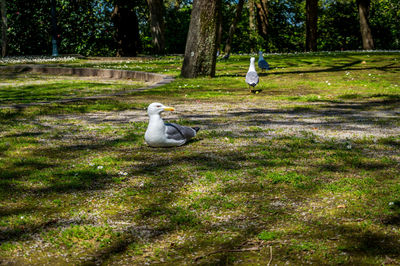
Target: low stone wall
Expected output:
[156,80]
[89,72]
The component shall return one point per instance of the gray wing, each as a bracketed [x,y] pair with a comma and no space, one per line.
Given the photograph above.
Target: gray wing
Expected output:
[178,132]
[263,64]
[252,78]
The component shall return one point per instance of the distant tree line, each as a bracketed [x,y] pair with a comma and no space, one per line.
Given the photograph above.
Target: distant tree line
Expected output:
[129,27]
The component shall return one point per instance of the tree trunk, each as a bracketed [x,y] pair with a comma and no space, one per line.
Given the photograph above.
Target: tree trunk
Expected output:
[366,35]
[127,28]
[262,17]
[252,25]
[200,52]
[232,28]
[156,8]
[311,24]
[3,28]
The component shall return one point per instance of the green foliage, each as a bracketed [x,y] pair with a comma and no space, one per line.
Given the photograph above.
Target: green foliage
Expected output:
[338,26]
[384,21]
[85,27]
[28,27]
[176,28]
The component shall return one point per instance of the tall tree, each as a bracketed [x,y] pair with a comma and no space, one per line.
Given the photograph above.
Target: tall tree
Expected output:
[126,28]
[200,52]
[262,17]
[232,28]
[366,35]
[311,24]
[156,8]
[252,25]
[3,28]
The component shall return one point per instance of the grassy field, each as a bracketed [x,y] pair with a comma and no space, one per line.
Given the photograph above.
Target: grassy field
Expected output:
[307,171]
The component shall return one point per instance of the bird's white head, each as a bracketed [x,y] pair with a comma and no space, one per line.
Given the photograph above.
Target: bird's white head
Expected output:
[158,108]
[252,60]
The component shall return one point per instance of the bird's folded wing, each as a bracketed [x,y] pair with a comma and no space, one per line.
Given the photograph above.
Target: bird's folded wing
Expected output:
[263,64]
[252,78]
[178,132]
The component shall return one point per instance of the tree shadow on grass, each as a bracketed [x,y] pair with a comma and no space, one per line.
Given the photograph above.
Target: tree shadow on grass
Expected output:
[391,67]
[246,228]
[170,172]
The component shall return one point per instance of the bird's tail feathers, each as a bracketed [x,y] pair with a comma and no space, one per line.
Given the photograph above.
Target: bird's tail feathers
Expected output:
[196,129]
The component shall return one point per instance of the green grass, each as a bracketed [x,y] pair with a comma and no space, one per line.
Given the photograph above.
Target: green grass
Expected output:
[306,167]
[27,88]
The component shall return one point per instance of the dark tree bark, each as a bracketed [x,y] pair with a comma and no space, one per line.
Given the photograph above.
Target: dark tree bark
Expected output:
[252,25]
[311,24]
[366,35]
[156,8]
[127,28]
[262,17]
[232,29]
[3,28]
[200,52]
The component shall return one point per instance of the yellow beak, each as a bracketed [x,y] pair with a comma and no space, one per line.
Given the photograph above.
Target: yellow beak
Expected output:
[167,108]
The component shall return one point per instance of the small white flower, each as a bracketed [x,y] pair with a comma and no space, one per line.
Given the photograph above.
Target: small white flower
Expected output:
[391,203]
[22,217]
[348,146]
[100,167]
[369,74]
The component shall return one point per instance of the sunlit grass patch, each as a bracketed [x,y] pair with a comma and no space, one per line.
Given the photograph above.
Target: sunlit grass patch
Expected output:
[78,236]
[48,90]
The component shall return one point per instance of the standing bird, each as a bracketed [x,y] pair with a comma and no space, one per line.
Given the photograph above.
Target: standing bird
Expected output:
[261,62]
[160,134]
[252,77]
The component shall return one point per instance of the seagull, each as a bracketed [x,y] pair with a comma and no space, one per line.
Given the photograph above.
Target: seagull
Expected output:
[261,62]
[160,134]
[252,77]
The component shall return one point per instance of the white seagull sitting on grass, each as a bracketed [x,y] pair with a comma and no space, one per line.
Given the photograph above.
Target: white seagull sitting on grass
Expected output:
[252,77]
[160,134]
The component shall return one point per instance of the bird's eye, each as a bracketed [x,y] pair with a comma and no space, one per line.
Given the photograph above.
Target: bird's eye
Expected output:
[158,106]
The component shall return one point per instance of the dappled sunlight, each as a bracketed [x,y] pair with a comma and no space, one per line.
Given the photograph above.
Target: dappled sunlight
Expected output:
[312,179]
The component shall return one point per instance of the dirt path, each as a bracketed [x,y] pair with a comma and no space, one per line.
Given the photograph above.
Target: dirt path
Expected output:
[341,121]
